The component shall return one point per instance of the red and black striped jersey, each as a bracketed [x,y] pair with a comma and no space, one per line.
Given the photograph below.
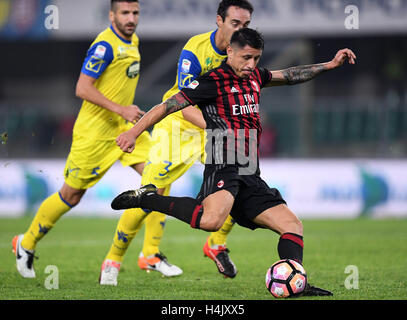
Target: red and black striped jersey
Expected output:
[230,106]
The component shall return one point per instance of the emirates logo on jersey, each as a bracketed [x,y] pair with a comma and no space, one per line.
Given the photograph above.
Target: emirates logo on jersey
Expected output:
[220,184]
[250,107]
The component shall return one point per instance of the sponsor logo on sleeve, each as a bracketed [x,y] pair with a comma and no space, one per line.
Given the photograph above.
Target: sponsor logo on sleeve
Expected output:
[186,65]
[100,51]
[193,84]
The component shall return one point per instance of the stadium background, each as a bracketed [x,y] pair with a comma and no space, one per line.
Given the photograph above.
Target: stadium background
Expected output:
[336,146]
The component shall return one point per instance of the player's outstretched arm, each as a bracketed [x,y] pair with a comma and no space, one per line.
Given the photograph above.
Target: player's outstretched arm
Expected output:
[300,74]
[126,140]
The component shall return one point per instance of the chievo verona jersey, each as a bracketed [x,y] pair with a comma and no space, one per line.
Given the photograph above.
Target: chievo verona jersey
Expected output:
[230,106]
[115,63]
[198,56]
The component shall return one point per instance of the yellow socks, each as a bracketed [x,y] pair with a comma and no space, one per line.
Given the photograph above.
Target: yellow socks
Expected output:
[47,215]
[219,237]
[129,224]
[155,223]
[154,230]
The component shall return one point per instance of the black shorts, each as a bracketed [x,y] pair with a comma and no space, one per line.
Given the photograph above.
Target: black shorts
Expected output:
[252,194]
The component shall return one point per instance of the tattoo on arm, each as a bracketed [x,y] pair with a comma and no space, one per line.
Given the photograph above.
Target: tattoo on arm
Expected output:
[176,103]
[301,74]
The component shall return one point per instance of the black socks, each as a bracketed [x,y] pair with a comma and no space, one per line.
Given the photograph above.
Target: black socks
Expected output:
[291,246]
[185,209]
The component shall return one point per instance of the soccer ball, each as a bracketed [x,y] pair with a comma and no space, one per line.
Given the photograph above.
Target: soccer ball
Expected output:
[286,278]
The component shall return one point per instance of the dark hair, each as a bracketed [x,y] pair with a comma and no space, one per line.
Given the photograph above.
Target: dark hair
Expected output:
[247,36]
[225,4]
[113,2]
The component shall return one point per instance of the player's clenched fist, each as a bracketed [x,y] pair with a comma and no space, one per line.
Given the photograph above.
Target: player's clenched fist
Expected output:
[131,113]
[126,141]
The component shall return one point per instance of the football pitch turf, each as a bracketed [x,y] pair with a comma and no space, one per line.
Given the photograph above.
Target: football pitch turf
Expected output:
[360,259]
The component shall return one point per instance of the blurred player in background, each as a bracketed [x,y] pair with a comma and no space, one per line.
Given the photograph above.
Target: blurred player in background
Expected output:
[107,84]
[229,98]
[201,53]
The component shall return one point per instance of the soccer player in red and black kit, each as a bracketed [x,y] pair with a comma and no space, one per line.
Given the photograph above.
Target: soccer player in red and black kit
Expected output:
[229,99]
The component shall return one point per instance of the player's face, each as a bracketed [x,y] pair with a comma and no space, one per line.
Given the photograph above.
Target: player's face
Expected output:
[124,18]
[243,60]
[236,19]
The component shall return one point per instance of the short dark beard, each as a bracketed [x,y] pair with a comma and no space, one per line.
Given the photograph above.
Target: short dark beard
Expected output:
[122,29]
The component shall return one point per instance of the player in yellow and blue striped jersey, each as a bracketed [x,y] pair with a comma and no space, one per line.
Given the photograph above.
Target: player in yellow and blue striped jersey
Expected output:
[107,84]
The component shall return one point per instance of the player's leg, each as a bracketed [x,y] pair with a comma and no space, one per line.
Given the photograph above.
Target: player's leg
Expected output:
[151,258]
[216,209]
[127,228]
[154,228]
[163,167]
[207,212]
[215,249]
[217,252]
[49,212]
[130,221]
[208,215]
[218,238]
[129,224]
[86,164]
[154,231]
[283,221]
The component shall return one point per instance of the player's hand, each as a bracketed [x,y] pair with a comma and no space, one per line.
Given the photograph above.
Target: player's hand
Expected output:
[126,141]
[132,113]
[341,56]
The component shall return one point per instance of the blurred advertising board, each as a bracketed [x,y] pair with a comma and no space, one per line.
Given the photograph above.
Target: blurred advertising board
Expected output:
[22,19]
[182,18]
[312,188]
[77,19]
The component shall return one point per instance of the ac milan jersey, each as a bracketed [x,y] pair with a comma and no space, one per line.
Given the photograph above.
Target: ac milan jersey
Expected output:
[230,106]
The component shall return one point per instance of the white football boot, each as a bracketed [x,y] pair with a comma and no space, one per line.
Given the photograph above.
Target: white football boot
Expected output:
[109,272]
[158,262]
[24,258]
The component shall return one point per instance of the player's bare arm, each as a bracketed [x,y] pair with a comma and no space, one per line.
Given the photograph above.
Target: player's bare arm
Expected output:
[86,90]
[126,140]
[194,115]
[300,74]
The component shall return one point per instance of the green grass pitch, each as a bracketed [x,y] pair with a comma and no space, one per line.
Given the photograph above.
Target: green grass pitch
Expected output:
[77,246]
